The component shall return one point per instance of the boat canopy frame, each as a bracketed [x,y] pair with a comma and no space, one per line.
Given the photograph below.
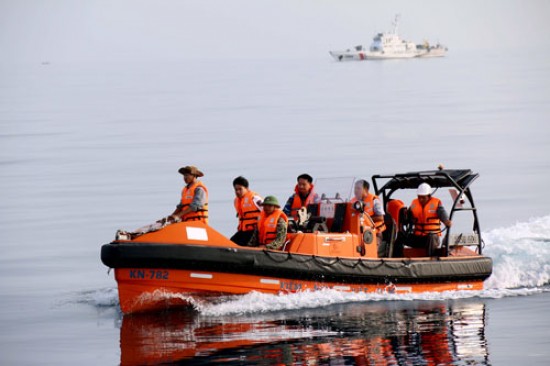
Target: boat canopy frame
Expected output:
[460,179]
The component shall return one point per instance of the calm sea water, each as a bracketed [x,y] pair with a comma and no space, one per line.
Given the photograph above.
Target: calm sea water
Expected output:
[86,149]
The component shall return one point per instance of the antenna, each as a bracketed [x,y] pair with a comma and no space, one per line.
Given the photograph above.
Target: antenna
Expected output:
[396,23]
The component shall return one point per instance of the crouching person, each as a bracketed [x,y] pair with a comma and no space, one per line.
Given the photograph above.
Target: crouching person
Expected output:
[272,226]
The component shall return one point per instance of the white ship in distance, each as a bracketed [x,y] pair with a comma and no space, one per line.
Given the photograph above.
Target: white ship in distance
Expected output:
[390,46]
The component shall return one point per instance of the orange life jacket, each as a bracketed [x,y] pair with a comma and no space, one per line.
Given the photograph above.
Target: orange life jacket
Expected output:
[267,226]
[298,203]
[247,212]
[425,218]
[187,195]
[369,209]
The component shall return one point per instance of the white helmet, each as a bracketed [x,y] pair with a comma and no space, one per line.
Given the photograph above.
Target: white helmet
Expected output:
[424,189]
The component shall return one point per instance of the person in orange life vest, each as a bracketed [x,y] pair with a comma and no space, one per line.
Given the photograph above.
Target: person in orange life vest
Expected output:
[373,207]
[426,213]
[194,198]
[272,226]
[248,206]
[303,196]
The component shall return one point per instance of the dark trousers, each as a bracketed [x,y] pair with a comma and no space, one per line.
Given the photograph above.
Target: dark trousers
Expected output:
[383,247]
[242,237]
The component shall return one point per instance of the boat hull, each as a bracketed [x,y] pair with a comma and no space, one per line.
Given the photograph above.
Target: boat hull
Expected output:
[140,290]
[363,56]
[348,55]
[433,53]
[153,276]
[388,56]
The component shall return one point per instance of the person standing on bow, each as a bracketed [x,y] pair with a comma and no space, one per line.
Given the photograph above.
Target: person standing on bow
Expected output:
[248,205]
[426,214]
[194,198]
[272,226]
[373,207]
[302,197]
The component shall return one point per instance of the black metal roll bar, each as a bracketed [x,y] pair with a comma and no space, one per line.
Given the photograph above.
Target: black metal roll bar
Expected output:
[460,179]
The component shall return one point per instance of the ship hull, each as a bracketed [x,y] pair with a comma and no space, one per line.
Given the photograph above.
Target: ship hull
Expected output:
[156,276]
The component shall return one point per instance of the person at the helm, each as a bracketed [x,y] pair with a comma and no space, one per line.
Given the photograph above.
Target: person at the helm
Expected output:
[426,213]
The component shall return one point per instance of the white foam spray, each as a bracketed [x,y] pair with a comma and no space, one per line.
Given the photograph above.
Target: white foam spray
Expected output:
[521,255]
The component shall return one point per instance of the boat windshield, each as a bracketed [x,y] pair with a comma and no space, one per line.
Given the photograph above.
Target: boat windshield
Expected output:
[335,190]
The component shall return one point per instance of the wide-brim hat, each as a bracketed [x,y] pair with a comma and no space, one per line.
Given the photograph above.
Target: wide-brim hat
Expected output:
[271,200]
[190,169]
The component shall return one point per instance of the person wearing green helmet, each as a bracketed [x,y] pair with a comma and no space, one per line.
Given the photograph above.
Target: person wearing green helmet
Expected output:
[272,226]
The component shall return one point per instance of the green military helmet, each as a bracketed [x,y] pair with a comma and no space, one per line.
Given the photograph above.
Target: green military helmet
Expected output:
[271,200]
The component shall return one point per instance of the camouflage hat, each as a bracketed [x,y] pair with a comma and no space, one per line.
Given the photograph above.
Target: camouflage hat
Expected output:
[190,169]
[271,200]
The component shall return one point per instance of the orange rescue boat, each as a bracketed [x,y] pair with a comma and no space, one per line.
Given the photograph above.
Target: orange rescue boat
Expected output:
[335,248]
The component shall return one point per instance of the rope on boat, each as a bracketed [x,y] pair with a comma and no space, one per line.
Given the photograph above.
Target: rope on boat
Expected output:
[318,260]
[345,262]
[306,258]
[354,265]
[269,254]
[364,264]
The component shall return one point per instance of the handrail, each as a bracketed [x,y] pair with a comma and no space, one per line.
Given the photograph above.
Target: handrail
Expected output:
[442,179]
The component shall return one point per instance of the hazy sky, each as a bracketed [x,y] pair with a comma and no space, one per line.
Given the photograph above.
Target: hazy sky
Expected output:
[73,30]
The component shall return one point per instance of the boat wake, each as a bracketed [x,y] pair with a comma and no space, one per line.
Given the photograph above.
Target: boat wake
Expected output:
[100,298]
[256,302]
[521,256]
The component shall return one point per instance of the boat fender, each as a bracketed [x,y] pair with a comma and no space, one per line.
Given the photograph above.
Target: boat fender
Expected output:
[368,237]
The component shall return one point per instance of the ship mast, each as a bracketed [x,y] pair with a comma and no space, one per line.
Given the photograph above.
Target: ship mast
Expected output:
[396,23]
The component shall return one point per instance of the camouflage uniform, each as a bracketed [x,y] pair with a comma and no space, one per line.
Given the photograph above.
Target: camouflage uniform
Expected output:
[279,241]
